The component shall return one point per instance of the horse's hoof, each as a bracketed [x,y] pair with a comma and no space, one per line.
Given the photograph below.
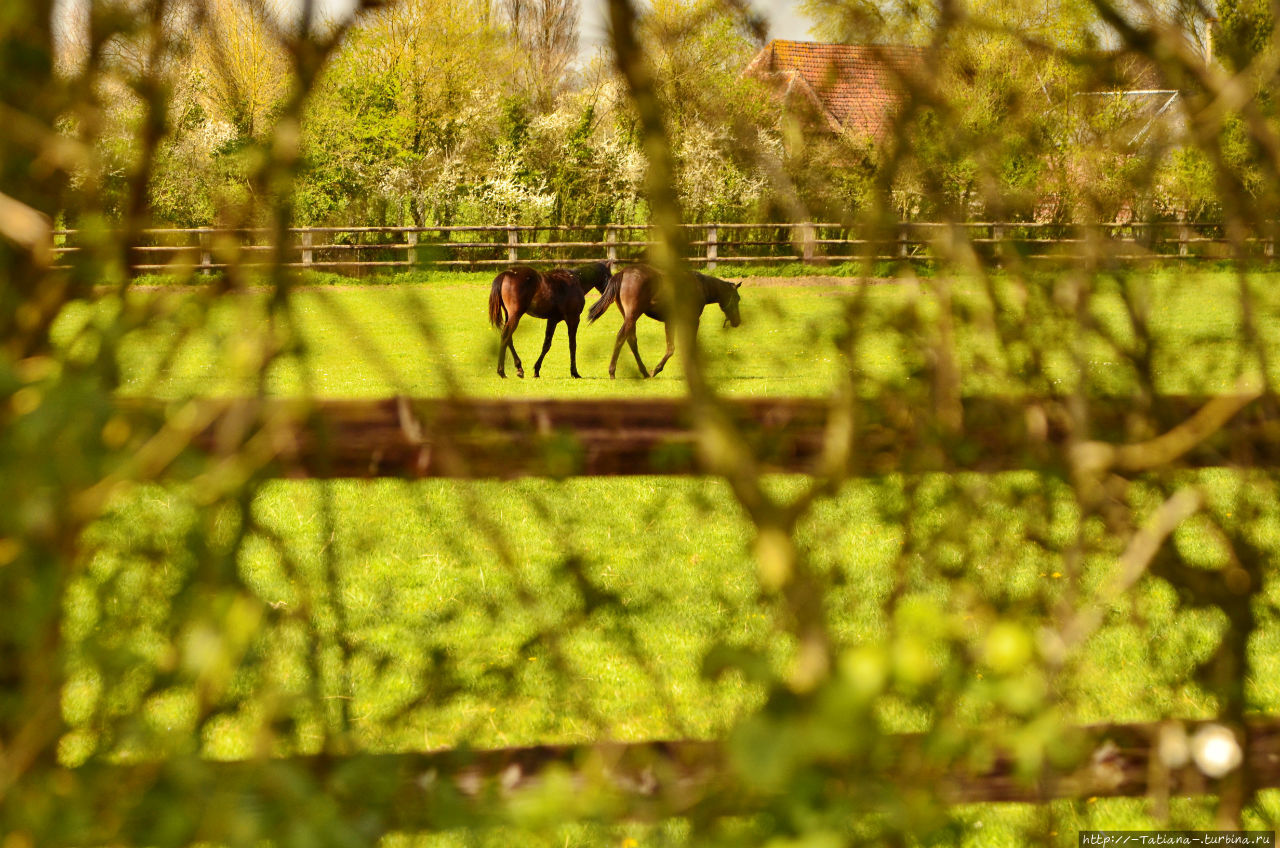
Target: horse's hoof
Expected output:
[502,375]
[520,374]
[576,375]
[536,375]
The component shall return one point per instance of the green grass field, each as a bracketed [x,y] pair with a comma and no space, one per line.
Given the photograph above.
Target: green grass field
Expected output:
[439,613]
[430,336]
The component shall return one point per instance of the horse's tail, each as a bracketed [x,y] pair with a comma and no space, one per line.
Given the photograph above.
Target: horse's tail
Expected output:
[497,309]
[607,297]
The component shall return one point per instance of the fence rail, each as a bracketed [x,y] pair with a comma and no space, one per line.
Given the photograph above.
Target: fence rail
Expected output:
[647,780]
[350,249]
[402,437]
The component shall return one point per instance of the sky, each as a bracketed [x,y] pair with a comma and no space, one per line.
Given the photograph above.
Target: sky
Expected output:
[783,16]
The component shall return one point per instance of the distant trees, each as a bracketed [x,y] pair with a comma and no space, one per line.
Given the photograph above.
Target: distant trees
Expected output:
[238,67]
[1014,118]
[420,119]
[471,111]
[545,33]
[403,112]
[1246,29]
[434,111]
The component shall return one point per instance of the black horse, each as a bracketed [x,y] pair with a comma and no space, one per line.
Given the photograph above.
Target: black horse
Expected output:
[641,290]
[557,296]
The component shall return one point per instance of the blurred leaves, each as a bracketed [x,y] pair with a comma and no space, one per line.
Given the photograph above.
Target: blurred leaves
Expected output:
[244,652]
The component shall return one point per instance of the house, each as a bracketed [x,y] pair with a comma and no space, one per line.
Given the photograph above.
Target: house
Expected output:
[851,88]
[855,88]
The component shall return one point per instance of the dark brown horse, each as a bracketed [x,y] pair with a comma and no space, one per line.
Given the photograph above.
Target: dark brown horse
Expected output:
[641,290]
[557,296]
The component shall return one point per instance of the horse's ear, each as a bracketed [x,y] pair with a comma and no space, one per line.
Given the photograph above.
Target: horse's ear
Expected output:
[737,285]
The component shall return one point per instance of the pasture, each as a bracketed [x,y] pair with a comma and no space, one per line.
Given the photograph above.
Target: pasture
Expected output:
[426,334]
[432,614]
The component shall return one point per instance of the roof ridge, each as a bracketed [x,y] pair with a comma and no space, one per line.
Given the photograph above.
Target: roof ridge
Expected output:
[874,45]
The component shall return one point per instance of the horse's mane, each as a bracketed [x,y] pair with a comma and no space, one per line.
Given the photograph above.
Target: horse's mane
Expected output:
[593,275]
[712,286]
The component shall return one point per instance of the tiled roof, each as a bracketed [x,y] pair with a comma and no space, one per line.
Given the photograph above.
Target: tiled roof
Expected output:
[857,86]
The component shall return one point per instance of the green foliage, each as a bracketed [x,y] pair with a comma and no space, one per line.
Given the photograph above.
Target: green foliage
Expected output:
[573,627]
[409,126]
[194,651]
[1245,31]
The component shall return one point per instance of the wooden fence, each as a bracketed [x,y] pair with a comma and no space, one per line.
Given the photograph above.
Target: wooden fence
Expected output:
[354,249]
[645,780]
[414,438]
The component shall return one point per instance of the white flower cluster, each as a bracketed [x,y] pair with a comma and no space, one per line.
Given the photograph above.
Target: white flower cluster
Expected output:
[507,197]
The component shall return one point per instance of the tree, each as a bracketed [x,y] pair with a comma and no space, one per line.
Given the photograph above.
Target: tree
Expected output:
[545,34]
[405,115]
[720,121]
[242,70]
[1245,31]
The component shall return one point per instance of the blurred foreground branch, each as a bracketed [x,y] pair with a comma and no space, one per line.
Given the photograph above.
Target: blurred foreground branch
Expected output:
[644,780]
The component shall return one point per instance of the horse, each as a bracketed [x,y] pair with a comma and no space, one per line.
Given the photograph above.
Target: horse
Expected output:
[641,290]
[557,296]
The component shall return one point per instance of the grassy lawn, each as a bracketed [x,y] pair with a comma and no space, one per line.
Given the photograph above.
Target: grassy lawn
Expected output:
[431,337]
[437,613]
[435,340]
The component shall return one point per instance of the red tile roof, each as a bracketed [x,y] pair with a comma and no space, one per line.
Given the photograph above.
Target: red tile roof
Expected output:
[856,86]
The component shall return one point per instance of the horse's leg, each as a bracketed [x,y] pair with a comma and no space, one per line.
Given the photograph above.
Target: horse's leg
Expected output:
[571,324]
[546,344]
[635,349]
[504,339]
[671,346]
[617,346]
[508,341]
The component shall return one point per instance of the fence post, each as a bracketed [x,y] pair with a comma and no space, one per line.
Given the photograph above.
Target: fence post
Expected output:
[808,242]
[306,247]
[206,255]
[412,253]
[610,244]
[902,240]
[1184,233]
[713,246]
[513,241]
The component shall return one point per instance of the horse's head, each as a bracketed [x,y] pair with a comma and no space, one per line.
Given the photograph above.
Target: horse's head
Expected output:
[595,275]
[728,299]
